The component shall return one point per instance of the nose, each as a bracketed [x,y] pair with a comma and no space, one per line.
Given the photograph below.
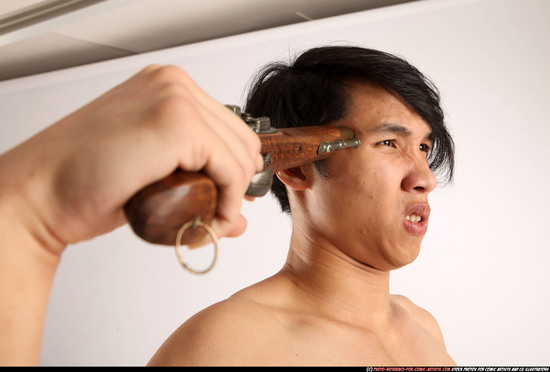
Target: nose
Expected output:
[419,178]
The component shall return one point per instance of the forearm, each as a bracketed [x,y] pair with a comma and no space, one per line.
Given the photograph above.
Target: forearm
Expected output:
[27,270]
[25,284]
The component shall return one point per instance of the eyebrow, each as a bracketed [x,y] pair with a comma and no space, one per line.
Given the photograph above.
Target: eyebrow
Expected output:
[391,128]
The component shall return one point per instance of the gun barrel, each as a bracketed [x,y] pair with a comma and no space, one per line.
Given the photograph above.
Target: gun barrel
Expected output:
[291,147]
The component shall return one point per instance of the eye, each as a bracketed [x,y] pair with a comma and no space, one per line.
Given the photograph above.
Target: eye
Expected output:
[390,143]
[425,148]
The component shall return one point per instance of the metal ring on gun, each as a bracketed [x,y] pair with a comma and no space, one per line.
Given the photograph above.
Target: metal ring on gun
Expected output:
[194,224]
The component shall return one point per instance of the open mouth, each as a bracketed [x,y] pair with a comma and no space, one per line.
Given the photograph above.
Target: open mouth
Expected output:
[416,219]
[413,218]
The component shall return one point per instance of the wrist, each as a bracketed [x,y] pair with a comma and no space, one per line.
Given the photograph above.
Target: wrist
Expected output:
[22,203]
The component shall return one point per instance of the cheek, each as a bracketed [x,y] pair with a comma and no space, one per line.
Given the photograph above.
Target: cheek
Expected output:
[362,189]
[369,182]
[372,194]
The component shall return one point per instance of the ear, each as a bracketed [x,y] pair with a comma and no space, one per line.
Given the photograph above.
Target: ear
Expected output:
[295,178]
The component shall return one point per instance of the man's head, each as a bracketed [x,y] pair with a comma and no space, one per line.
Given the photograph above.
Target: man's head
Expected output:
[316,90]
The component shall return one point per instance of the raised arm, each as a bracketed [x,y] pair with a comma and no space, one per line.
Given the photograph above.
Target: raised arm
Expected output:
[70,182]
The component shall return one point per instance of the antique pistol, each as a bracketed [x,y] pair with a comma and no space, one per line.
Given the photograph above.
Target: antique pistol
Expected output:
[157,212]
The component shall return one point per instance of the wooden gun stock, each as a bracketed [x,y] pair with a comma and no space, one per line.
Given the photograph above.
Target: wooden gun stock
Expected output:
[157,212]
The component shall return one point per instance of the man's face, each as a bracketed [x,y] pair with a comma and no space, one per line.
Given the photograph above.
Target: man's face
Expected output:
[374,205]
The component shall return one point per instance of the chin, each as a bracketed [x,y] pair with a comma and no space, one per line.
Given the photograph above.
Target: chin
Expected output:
[402,256]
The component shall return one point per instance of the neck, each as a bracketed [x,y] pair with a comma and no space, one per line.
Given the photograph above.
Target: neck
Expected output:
[336,285]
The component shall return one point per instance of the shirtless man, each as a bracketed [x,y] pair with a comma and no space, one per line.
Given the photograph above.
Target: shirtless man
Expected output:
[356,216]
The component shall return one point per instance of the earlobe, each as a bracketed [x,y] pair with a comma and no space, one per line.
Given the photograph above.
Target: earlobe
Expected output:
[294,178]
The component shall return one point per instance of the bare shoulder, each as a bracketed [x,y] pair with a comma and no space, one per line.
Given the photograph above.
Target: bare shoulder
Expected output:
[425,319]
[222,334]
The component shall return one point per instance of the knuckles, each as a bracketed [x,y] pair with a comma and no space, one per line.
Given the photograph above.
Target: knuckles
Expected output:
[176,112]
[169,73]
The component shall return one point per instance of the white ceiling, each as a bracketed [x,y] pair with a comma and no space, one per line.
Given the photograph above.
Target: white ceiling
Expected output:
[102,30]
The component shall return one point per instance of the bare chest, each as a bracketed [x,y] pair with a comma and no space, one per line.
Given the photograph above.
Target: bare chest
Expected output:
[343,345]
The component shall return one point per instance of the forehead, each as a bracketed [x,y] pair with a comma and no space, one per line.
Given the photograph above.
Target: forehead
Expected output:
[373,109]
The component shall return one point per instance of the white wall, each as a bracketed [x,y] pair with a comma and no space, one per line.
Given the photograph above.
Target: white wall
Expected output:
[483,271]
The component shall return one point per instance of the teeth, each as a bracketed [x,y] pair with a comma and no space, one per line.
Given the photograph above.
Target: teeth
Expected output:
[413,218]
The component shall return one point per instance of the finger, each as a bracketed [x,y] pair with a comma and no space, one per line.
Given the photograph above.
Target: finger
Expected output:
[216,158]
[230,165]
[232,155]
[244,142]
[217,115]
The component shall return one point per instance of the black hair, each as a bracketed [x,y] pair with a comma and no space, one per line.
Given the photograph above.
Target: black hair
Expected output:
[313,90]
